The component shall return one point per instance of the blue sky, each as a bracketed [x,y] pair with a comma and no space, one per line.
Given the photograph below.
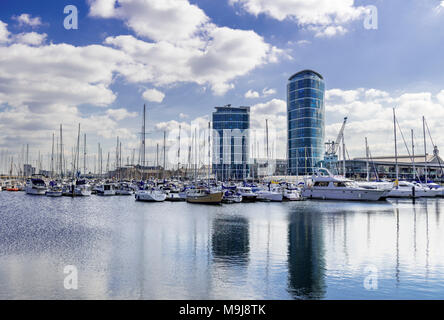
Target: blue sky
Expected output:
[196,66]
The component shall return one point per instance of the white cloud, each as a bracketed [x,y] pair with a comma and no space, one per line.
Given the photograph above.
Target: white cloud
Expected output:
[330,31]
[370,114]
[31,38]
[153,95]
[183,116]
[302,43]
[120,114]
[251,94]
[268,92]
[328,17]
[187,47]
[4,33]
[159,20]
[25,19]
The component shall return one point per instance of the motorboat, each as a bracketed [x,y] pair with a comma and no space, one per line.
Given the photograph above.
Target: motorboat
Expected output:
[83,188]
[204,196]
[439,189]
[35,186]
[273,194]
[328,187]
[231,197]
[150,195]
[175,195]
[247,194]
[106,189]
[292,194]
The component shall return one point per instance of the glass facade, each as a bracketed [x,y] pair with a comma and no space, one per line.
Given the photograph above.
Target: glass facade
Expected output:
[306,121]
[231,142]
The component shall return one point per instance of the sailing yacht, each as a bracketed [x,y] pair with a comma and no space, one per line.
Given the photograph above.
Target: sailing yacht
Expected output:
[325,186]
[150,195]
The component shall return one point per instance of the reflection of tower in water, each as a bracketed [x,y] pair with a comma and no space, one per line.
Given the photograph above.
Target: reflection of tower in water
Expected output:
[306,262]
[230,240]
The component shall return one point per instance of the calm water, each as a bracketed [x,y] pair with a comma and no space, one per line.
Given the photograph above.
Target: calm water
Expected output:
[125,249]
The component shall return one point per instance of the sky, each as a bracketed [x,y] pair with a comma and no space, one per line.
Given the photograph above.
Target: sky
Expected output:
[184,57]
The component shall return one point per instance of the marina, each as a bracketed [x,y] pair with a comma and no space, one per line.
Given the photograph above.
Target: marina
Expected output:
[126,249]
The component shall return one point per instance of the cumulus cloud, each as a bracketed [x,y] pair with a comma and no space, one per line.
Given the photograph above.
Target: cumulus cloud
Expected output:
[26,19]
[120,114]
[4,33]
[327,17]
[250,94]
[153,95]
[31,38]
[185,45]
[370,114]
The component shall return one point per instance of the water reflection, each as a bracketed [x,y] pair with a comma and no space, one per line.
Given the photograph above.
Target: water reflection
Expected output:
[230,240]
[305,250]
[306,261]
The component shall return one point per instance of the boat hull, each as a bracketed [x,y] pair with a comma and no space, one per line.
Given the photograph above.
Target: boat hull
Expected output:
[211,198]
[343,194]
[150,196]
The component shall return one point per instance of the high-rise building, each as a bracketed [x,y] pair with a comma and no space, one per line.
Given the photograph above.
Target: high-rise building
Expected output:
[306,121]
[231,142]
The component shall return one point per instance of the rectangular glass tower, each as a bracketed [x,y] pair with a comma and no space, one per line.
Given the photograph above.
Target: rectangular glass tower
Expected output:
[231,142]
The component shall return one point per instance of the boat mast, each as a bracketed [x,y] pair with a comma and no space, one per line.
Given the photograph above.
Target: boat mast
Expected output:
[61,152]
[84,155]
[209,152]
[178,152]
[413,155]
[343,156]
[266,134]
[396,146]
[52,157]
[425,149]
[164,155]
[366,162]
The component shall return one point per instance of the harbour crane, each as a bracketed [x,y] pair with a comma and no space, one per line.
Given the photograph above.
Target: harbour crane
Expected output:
[330,156]
[333,146]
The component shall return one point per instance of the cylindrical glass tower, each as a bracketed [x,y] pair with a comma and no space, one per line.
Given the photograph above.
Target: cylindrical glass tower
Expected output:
[306,121]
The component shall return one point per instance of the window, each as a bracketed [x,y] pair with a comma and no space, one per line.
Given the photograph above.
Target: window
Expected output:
[321,184]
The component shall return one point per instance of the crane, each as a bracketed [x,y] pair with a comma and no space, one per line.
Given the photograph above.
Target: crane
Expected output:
[332,146]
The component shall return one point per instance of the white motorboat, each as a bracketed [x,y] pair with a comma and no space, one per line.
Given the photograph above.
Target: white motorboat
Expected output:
[231,197]
[150,195]
[426,191]
[247,194]
[54,192]
[328,187]
[274,194]
[35,186]
[405,189]
[82,188]
[176,195]
[439,189]
[292,194]
[106,189]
